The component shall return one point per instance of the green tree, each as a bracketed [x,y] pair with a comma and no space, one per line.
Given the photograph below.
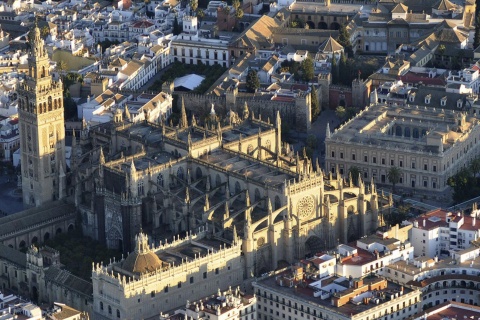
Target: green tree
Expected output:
[193,5]
[398,215]
[475,167]
[177,29]
[340,112]
[252,83]
[343,70]
[344,40]
[61,67]
[465,185]
[335,73]
[200,15]
[45,32]
[441,49]
[308,70]
[355,172]
[315,105]
[394,175]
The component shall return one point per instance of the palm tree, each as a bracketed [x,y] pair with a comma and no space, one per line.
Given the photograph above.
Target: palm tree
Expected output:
[193,6]
[394,175]
[200,15]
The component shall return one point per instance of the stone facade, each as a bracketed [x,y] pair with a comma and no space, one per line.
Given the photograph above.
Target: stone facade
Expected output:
[426,144]
[42,132]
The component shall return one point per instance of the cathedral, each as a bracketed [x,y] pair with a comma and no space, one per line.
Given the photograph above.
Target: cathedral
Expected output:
[233,175]
[42,131]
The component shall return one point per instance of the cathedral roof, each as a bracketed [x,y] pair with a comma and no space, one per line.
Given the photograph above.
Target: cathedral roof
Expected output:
[142,260]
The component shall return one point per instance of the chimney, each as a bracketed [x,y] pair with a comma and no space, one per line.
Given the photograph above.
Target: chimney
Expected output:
[424,223]
[474,220]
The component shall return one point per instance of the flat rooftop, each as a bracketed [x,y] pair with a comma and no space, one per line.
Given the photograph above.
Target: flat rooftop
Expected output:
[306,293]
[377,126]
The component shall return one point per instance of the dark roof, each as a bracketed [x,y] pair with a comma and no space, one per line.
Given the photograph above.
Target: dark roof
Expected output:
[34,216]
[68,281]
[436,93]
[12,255]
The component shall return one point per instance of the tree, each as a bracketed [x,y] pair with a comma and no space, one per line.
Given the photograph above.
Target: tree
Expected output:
[45,32]
[193,5]
[253,83]
[177,29]
[394,175]
[308,71]
[355,173]
[441,49]
[464,185]
[340,112]
[344,39]
[335,74]
[398,215]
[200,15]
[342,70]
[315,105]
[475,167]
[61,67]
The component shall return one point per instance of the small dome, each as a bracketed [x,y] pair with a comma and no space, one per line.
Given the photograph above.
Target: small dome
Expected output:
[142,260]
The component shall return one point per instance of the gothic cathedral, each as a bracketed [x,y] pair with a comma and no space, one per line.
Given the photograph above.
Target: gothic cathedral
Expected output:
[42,132]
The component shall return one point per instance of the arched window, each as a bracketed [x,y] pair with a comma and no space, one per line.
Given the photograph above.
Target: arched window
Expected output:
[118,314]
[140,188]
[198,173]
[257,195]
[160,180]
[398,131]
[268,145]
[180,173]
[415,133]
[238,189]
[109,310]
[101,305]
[278,203]
[407,132]
[50,106]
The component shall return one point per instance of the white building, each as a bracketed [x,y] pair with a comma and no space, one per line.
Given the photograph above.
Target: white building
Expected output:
[158,279]
[442,232]
[230,304]
[295,293]
[467,77]
[371,255]
[192,46]
[454,278]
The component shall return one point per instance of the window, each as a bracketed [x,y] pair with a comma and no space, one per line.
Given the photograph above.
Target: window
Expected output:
[152,294]
[425,167]
[109,310]
[413,165]
[179,285]
[341,155]
[401,163]
[391,162]
[101,305]
[118,313]
[191,280]
[333,154]
[434,168]
[217,271]
[383,160]
[365,158]
[353,156]
[165,289]
[205,275]
[374,159]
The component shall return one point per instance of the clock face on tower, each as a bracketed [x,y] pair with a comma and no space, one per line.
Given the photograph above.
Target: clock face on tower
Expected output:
[305,207]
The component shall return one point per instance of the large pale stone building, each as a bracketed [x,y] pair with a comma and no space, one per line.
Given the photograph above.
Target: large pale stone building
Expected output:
[428,144]
[42,132]
[238,174]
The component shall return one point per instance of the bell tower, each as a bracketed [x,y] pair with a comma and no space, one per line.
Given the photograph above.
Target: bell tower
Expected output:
[42,131]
